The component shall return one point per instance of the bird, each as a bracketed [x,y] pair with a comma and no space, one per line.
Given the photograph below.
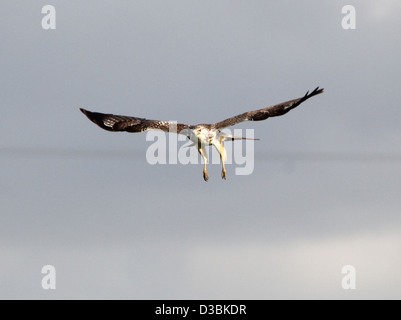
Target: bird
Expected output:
[201,135]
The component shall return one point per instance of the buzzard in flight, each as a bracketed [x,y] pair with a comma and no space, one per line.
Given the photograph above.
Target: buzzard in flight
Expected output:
[201,135]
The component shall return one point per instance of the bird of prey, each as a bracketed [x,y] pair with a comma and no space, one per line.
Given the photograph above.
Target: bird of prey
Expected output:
[201,135]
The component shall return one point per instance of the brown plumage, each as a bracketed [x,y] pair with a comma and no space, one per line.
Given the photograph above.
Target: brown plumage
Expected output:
[263,114]
[112,122]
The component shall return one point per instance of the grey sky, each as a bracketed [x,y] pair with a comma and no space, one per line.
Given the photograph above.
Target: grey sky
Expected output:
[326,187]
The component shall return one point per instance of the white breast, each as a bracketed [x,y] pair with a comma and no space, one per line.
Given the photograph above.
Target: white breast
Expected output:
[205,136]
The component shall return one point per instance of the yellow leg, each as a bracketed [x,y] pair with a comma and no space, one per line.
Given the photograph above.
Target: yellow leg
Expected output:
[223,157]
[205,174]
[202,152]
[224,173]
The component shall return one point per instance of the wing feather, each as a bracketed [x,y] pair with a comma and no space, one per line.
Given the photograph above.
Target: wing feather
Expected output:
[263,114]
[112,122]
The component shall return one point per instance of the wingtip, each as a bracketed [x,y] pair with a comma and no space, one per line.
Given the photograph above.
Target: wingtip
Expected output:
[84,111]
[319,90]
[87,113]
[315,92]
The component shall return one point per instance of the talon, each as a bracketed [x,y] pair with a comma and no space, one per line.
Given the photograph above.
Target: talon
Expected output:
[205,175]
[224,175]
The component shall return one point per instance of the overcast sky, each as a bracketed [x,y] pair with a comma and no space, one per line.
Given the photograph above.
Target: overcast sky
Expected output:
[325,191]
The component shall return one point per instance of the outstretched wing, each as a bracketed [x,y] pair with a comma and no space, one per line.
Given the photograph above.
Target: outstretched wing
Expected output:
[262,114]
[112,122]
